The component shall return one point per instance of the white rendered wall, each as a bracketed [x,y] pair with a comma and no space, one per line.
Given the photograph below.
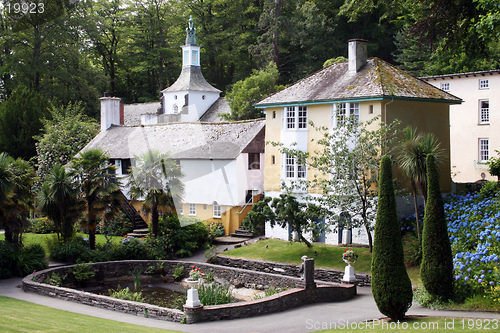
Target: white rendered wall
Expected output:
[465,129]
[198,103]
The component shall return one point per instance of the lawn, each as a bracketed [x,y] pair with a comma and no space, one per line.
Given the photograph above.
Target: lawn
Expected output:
[30,238]
[21,316]
[413,324]
[325,256]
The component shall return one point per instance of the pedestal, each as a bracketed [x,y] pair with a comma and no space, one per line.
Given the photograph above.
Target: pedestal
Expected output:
[192,298]
[349,274]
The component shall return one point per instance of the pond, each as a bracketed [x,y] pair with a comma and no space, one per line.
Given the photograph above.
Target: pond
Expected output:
[167,295]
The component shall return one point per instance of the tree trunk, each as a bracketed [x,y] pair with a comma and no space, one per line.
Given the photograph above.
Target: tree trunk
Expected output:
[416,214]
[92,230]
[154,219]
[370,240]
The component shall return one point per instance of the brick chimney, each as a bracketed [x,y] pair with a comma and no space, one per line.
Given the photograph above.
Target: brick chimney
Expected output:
[357,55]
[111,111]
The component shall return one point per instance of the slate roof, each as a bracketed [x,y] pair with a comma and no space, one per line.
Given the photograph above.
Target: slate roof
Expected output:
[377,79]
[132,112]
[191,78]
[184,140]
[214,111]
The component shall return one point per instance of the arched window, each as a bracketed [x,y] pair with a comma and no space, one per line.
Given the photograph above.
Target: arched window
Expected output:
[175,109]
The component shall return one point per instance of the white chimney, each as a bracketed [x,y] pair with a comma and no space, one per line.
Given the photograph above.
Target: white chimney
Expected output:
[357,55]
[111,112]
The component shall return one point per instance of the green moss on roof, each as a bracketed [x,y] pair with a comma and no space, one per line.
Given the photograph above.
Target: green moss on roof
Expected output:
[376,79]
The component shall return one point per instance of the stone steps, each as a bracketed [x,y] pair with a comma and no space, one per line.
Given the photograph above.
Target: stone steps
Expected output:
[242,233]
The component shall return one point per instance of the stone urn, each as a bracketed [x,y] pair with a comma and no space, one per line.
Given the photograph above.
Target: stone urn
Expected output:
[349,276]
[192,293]
[191,283]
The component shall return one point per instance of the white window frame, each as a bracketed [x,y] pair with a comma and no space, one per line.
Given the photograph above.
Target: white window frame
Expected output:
[181,210]
[295,117]
[217,210]
[484,112]
[445,86]
[484,150]
[192,210]
[484,83]
[342,110]
[294,170]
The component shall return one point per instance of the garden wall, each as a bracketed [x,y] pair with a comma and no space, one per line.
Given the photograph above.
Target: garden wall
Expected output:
[105,271]
[320,274]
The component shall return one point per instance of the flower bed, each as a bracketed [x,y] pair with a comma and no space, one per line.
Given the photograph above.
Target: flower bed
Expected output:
[474,230]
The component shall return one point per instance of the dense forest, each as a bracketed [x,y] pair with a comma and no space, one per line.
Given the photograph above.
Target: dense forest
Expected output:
[69,51]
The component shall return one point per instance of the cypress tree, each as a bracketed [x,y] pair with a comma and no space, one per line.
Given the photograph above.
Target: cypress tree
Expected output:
[391,286]
[436,270]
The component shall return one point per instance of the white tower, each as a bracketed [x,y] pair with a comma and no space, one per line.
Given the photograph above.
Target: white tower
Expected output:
[191,95]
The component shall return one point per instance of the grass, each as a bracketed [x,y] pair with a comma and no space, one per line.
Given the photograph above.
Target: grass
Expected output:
[21,316]
[413,324]
[30,238]
[325,256]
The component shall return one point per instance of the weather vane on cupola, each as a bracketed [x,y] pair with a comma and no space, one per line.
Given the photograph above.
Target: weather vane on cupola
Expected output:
[191,32]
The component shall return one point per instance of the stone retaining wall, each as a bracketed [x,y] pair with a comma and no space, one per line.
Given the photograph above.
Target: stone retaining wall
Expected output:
[321,274]
[327,292]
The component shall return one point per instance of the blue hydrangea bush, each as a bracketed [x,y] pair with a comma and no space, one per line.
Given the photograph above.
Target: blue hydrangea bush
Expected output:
[474,230]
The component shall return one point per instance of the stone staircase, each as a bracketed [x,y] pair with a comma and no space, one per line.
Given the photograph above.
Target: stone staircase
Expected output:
[242,233]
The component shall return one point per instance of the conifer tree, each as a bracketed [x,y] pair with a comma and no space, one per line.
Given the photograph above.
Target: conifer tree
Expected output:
[436,269]
[391,286]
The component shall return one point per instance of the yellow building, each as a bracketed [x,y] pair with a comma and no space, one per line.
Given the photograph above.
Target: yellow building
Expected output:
[362,88]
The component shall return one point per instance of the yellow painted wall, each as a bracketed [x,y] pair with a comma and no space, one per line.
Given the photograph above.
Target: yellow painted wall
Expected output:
[429,118]
[273,134]
[425,116]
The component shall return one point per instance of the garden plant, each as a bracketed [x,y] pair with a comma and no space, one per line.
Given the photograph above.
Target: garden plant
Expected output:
[391,286]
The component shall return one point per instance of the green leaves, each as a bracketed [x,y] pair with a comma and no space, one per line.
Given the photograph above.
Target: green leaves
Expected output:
[245,93]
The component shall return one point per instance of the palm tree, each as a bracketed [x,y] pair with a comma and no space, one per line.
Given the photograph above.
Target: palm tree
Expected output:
[98,187]
[58,200]
[18,176]
[413,151]
[156,180]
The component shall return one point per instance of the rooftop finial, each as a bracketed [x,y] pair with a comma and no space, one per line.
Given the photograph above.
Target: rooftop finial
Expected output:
[191,32]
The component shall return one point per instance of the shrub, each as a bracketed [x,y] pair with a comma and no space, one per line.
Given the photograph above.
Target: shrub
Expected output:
[391,286]
[172,239]
[488,190]
[30,258]
[474,230]
[22,261]
[41,225]
[118,226]
[69,250]
[82,272]
[215,229]
[436,270]
[134,249]
[7,259]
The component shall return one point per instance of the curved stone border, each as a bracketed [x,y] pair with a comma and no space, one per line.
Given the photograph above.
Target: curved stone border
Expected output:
[326,292]
[322,274]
